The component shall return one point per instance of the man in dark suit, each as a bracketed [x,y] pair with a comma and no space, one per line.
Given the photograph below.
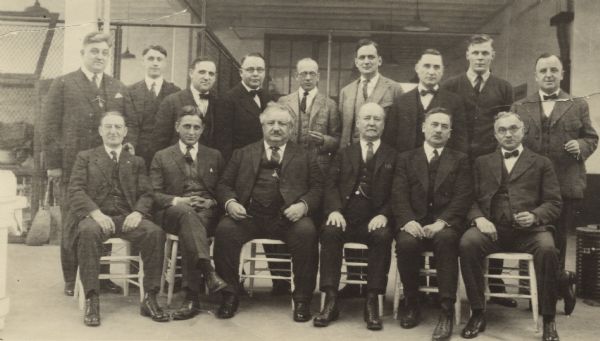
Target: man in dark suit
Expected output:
[559,127]
[517,198]
[268,189]
[410,108]
[147,95]
[431,196]
[357,207]
[200,94]
[110,196]
[316,117]
[71,114]
[184,177]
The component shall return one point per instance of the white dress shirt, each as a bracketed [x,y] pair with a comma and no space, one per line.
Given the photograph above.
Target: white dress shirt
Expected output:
[202,104]
[370,86]
[548,105]
[429,151]
[256,98]
[90,75]
[510,163]
[472,76]
[118,150]
[268,151]
[309,99]
[158,84]
[364,147]
[193,151]
[426,100]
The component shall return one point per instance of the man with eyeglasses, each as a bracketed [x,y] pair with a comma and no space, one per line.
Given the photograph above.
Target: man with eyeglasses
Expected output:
[317,120]
[431,195]
[71,114]
[517,199]
[559,127]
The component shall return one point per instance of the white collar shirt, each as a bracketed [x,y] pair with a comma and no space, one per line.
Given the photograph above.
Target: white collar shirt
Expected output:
[193,151]
[510,162]
[269,151]
[548,105]
[370,86]
[429,151]
[364,147]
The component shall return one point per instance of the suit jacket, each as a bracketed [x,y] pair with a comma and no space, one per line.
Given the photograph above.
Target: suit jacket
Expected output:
[146,107]
[453,191]
[324,118]
[90,184]
[164,133]
[343,178]
[569,120]
[406,110]
[300,179]
[532,186]
[71,117]
[480,110]
[168,174]
[384,93]
[238,124]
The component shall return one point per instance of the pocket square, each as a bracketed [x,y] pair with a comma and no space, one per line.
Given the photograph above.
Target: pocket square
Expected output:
[388,166]
[118,95]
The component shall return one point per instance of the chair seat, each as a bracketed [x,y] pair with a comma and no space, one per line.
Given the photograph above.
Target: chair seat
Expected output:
[511,256]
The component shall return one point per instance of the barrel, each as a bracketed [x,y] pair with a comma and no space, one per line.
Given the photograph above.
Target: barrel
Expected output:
[588,262]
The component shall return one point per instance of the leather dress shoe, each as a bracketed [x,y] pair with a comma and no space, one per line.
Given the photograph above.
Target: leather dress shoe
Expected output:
[150,308]
[329,313]
[550,333]
[214,283]
[91,318]
[228,306]
[475,326]
[280,288]
[107,286]
[351,291]
[189,308]
[302,311]
[69,289]
[443,329]
[410,316]
[567,290]
[504,301]
[371,313]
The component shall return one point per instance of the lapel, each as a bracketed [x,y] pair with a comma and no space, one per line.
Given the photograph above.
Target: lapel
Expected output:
[103,162]
[379,90]
[534,107]
[447,161]
[495,165]
[85,87]
[523,163]
[255,155]
[125,176]
[293,104]
[315,107]
[420,166]
[290,152]
[248,102]
[560,107]
[355,151]
[380,157]
[177,158]
[201,165]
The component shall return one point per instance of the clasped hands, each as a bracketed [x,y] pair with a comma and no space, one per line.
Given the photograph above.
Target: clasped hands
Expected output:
[428,231]
[523,219]
[195,201]
[337,219]
[293,212]
[131,222]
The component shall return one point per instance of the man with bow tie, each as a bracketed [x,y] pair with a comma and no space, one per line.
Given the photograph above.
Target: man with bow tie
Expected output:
[200,94]
[559,127]
[517,199]
[184,178]
[71,113]
[410,108]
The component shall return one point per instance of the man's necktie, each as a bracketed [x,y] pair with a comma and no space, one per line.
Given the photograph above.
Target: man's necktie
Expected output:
[115,160]
[435,160]
[514,153]
[188,156]
[153,90]
[275,157]
[205,95]
[95,81]
[552,97]
[303,102]
[364,89]
[478,84]
[255,94]
[370,152]
[426,92]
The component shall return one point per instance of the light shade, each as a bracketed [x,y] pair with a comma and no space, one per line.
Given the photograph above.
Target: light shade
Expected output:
[127,54]
[417,25]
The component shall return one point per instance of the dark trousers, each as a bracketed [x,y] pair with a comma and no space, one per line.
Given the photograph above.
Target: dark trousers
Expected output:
[148,237]
[444,245]
[475,246]
[194,229]
[68,258]
[565,223]
[300,237]
[332,243]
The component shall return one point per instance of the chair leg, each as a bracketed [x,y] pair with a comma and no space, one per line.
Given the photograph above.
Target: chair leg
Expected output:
[166,259]
[534,294]
[380,299]
[79,291]
[252,269]
[141,278]
[127,271]
[397,289]
[486,280]
[458,303]
[171,271]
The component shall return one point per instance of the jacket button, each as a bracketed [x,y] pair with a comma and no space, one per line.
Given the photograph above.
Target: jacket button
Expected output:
[347,197]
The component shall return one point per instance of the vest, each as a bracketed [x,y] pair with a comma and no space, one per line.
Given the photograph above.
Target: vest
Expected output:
[114,203]
[191,184]
[500,210]
[545,131]
[266,199]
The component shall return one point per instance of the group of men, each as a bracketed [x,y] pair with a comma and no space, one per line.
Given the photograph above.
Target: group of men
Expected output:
[443,167]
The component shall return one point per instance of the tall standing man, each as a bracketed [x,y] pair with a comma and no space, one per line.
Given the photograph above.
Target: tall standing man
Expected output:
[559,127]
[72,111]
[147,95]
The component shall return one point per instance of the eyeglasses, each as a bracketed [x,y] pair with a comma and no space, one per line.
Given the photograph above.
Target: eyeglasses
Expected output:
[312,74]
[504,130]
[254,69]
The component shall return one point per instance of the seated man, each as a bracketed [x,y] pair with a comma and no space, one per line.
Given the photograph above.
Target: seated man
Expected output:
[184,177]
[110,196]
[431,196]
[357,203]
[267,189]
[517,196]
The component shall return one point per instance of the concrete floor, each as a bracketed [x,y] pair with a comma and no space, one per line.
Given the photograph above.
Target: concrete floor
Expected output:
[39,311]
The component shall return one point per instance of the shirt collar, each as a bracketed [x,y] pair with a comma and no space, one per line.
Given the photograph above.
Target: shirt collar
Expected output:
[422,87]
[281,148]
[158,81]
[248,88]
[90,75]
[117,150]
[542,94]
[311,93]
[183,148]
[472,75]
[372,81]
[196,93]
[376,143]
[519,148]
[429,150]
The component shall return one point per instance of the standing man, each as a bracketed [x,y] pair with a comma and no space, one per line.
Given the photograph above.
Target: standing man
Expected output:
[110,196]
[358,210]
[431,196]
[71,115]
[203,74]
[517,198]
[147,95]
[315,115]
[242,105]
[559,127]
[184,177]
[410,108]
[268,189]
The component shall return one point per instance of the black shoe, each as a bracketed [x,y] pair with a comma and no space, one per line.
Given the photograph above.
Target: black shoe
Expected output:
[302,311]
[352,291]
[189,308]
[214,283]
[443,329]
[107,286]
[410,315]
[150,308]
[475,326]
[504,301]
[371,313]
[329,313]
[281,288]
[228,307]
[91,318]
[550,333]
[567,290]
[69,288]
